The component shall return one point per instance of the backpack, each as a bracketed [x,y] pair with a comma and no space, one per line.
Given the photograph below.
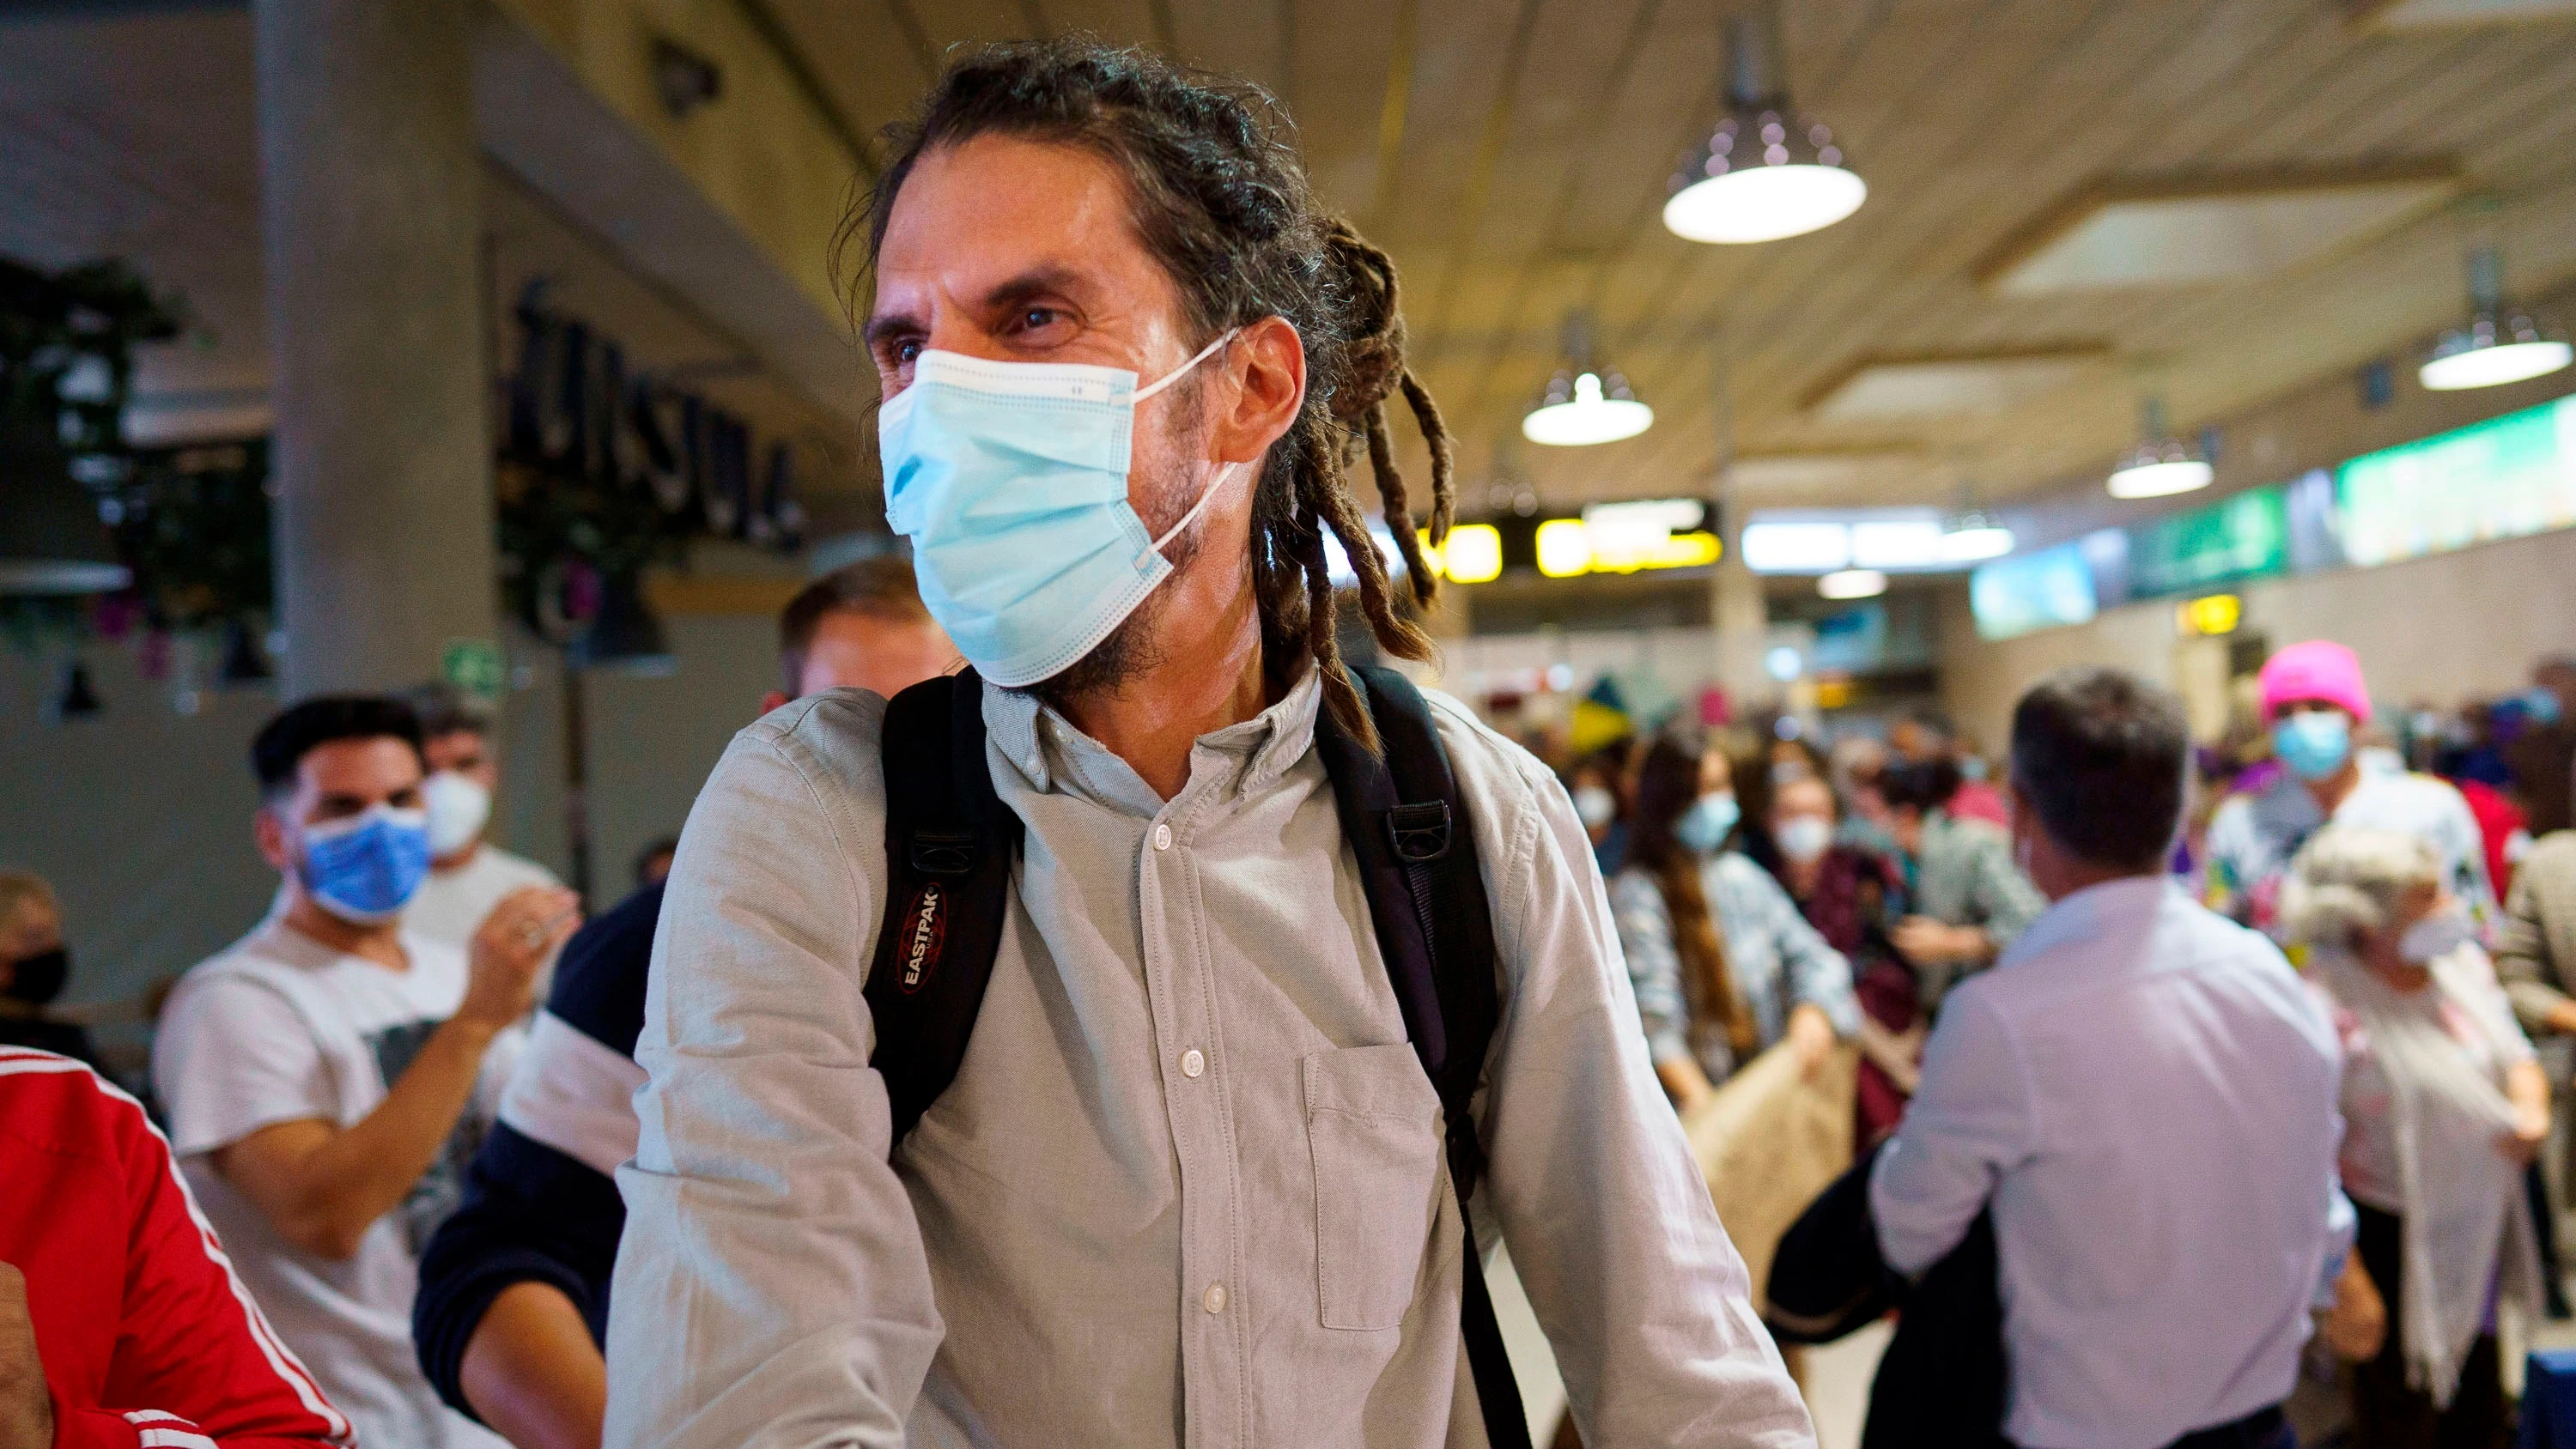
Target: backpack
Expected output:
[951,844]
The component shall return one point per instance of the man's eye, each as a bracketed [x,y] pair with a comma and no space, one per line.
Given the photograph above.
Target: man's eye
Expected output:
[1033,318]
[906,351]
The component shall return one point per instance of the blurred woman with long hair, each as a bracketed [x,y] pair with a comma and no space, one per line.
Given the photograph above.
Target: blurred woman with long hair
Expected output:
[1723,963]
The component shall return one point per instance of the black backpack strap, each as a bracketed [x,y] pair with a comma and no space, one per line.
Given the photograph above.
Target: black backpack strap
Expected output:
[1407,824]
[950,846]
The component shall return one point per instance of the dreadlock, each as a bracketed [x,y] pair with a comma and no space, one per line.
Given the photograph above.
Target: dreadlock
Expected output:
[1222,201]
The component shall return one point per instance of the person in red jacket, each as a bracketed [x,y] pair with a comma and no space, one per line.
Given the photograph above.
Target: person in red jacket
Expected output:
[122,1325]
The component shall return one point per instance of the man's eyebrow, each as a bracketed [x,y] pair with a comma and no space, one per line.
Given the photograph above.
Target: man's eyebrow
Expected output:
[1052,279]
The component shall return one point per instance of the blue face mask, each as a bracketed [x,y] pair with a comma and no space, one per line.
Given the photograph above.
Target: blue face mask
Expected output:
[2314,743]
[1704,826]
[1010,478]
[366,868]
[2541,705]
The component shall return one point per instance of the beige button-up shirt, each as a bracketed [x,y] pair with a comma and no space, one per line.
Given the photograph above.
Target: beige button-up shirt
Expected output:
[1188,1186]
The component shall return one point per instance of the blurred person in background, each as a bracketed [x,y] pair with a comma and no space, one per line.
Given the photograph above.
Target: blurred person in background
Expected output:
[513,1303]
[2444,1106]
[2142,1094]
[653,862]
[2543,758]
[2535,952]
[34,967]
[122,1325]
[1593,782]
[468,875]
[1854,767]
[1923,735]
[328,1076]
[861,626]
[1852,897]
[1723,964]
[1966,897]
[2314,701]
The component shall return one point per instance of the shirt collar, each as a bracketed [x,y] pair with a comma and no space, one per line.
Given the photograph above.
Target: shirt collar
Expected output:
[1045,749]
[2093,912]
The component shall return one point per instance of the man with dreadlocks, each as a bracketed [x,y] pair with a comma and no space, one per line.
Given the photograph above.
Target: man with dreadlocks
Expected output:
[1187,1186]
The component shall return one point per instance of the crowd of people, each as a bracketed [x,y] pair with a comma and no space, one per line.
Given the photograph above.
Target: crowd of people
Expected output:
[1137,1039]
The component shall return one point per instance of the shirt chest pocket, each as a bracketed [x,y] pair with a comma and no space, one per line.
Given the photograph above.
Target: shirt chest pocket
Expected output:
[1373,1134]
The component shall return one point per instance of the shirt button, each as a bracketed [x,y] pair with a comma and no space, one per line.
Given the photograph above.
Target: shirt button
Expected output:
[1162,837]
[1213,1300]
[1193,1062]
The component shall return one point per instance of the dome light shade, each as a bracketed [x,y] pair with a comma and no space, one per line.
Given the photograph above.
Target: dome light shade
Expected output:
[1852,584]
[1971,545]
[1583,408]
[2479,357]
[2147,475]
[1762,177]
[2161,466]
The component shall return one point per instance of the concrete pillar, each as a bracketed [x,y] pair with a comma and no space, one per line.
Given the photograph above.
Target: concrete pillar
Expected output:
[370,203]
[1742,622]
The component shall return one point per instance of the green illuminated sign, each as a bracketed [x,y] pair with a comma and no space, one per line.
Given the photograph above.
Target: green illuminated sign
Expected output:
[2244,537]
[2502,478]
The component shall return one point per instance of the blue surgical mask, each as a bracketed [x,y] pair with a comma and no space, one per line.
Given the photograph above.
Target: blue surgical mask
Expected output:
[2313,743]
[1010,478]
[1704,826]
[2542,705]
[366,868]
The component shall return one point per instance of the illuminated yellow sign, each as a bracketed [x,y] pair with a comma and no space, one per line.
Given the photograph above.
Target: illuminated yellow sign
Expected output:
[1472,555]
[1568,547]
[2210,616]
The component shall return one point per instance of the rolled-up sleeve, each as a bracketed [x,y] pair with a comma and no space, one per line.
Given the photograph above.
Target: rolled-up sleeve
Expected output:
[1645,928]
[1968,1124]
[1644,1300]
[771,1287]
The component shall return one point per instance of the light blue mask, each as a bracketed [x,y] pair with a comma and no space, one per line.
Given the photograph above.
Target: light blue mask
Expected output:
[366,868]
[1704,826]
[2313,744]
[1010,478]
[2542,705]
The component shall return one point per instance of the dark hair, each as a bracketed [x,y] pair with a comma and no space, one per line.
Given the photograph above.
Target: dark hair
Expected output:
[300,729]
[1219,196]
[1924,786]
[881,587]
[443,709]
[1667,783]
[2100,756]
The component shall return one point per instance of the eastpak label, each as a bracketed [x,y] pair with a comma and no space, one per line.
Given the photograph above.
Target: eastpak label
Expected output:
[925,930]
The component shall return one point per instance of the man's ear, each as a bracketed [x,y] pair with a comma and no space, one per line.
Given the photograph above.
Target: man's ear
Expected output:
[270,831]
[1268,365]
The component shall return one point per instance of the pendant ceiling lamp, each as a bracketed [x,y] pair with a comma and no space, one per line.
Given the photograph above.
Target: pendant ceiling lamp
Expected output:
[1585,403]
[2162,464]
[1972,535]
[1765,172]
[2496,347]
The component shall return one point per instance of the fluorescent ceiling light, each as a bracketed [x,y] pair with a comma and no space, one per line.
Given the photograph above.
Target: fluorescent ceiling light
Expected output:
[1580,411]
[1972,545]
[2495,364]
[1900,389]
[2180,233]
[2430,14]
[1796,548]
[1896,544]
[1852,584]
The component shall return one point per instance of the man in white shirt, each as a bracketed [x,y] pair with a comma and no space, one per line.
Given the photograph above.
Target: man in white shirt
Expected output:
[328,1076]
[468,875]
[2146,1096]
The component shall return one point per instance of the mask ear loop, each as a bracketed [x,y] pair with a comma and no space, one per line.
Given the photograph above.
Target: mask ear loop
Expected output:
[1213,489]
[1175,375]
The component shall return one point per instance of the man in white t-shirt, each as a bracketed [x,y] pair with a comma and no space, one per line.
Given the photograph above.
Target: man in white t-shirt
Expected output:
[468,875]
[328,1076]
